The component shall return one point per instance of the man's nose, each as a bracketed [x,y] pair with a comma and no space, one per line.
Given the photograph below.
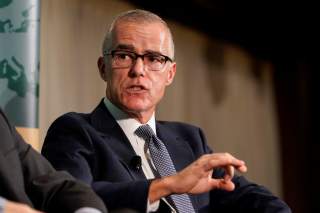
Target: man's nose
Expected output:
[138,67]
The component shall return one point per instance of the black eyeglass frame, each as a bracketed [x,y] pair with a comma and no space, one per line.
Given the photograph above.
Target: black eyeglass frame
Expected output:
[136,55]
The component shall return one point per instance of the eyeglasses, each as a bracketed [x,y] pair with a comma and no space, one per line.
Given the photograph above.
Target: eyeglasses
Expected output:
[126,58]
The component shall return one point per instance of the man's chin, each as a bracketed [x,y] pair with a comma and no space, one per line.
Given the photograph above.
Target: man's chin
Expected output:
[137,107]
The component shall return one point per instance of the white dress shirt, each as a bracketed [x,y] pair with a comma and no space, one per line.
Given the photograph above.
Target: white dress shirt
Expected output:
[129,126]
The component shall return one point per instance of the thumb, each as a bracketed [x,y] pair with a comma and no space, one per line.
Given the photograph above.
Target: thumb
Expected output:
[223,184]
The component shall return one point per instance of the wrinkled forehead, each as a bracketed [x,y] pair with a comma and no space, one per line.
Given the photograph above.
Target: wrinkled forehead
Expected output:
[142,36]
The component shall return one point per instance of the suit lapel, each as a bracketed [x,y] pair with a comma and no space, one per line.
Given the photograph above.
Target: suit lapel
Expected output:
[11,178]
[178,148]
[6,175]
[103,121]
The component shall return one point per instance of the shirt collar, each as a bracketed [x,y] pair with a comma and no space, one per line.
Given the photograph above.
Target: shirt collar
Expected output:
[128,124]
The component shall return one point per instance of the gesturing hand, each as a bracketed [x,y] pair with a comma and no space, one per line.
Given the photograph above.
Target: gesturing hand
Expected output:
[197,177]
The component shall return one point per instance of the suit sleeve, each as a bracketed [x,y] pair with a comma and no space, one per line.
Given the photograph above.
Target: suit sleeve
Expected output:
[69,146]
[49,190]
[247,197]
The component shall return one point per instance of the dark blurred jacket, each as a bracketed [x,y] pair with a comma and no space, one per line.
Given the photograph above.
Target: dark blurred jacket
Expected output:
[27,177]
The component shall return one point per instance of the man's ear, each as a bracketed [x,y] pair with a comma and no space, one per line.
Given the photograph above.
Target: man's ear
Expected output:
[102,70]
[171,73]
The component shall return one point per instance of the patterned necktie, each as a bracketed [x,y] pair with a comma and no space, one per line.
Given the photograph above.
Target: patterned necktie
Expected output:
[164,165]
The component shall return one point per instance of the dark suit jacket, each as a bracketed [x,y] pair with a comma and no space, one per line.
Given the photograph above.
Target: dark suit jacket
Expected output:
[93,148]
[27,177]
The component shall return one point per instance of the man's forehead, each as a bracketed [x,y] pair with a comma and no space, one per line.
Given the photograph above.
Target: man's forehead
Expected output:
[140,27]
[155,34]
[129,35]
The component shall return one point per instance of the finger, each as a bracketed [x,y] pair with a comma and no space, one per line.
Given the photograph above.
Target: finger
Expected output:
[222,160]
[31,210]
[242,168]
[222,184]
[229,172]
[227,185]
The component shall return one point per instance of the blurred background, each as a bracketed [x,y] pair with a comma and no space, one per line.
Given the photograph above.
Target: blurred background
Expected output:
[247,74]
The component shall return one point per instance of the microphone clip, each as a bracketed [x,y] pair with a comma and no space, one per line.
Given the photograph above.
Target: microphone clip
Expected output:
[136,162]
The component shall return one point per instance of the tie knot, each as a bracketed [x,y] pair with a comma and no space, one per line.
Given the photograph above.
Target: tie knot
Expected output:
[145,132]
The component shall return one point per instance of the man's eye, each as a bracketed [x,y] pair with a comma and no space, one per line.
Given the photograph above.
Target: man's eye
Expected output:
[123,56]
[155,58]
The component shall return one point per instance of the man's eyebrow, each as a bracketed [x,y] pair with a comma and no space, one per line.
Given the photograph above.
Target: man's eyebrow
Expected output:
[124,47]
[132,48]
[153,52]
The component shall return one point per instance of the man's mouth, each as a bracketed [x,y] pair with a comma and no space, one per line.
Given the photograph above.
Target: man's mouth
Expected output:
[136,89]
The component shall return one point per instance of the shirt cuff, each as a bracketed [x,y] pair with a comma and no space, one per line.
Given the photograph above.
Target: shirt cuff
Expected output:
[152,207]
[87,210]
[2,203]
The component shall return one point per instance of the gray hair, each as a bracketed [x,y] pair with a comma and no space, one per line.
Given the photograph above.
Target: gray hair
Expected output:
[136,16]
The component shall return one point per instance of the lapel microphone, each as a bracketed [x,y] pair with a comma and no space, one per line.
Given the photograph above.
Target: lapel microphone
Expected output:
[136,163]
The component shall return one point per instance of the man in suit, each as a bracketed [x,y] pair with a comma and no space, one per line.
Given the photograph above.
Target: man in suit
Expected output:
[130,159]
[29,182]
